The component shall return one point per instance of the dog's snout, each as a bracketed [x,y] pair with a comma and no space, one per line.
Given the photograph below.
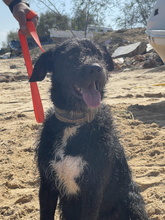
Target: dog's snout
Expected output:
[92,72]
[95,68]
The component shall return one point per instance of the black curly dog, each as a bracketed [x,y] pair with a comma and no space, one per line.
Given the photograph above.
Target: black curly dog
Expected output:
[81,162]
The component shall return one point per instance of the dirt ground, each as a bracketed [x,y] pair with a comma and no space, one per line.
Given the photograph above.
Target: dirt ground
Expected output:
[137,99]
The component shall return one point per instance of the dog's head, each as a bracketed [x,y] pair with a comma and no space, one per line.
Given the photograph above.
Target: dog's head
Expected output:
[79,73]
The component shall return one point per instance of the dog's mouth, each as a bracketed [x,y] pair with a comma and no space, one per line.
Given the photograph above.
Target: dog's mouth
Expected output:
[90,94]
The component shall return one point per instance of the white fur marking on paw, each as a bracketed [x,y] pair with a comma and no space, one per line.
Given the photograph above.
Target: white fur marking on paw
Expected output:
[67,168]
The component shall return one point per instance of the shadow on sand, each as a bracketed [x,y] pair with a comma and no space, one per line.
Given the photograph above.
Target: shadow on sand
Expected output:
[153,113]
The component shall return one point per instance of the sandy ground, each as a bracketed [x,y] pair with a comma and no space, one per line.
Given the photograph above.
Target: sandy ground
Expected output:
[138,104]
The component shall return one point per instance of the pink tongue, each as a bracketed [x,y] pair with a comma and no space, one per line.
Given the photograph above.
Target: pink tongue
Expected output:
[91,96]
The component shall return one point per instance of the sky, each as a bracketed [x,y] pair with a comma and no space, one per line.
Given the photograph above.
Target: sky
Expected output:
[8,23]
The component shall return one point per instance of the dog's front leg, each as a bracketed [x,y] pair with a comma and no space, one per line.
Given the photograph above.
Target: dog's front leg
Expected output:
[48,201]
[91,201]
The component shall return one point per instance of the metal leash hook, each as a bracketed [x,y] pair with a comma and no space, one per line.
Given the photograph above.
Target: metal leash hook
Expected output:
[37,103]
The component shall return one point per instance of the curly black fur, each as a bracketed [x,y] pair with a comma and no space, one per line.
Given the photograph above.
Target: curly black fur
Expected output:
[105,189]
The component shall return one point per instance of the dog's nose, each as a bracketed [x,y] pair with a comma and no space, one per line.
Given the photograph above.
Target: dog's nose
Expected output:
[92,72]
[95,68]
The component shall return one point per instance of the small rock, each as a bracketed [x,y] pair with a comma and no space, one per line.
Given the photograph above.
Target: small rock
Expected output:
[13,66]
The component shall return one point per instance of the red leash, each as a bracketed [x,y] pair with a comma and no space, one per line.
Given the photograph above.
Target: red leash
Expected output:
[37,104]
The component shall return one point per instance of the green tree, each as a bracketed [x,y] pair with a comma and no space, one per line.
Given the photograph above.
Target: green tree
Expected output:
[78,21]
[91,11]
[96,8]
[134,13]
[12,35]
[51,19]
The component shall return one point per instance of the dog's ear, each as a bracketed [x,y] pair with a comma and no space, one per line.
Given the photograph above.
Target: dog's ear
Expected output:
[43,65]
[108,59]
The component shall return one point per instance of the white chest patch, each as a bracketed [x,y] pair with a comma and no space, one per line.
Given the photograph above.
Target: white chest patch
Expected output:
[67,168]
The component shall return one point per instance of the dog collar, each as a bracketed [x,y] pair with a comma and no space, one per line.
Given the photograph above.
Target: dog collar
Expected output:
[75,117]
